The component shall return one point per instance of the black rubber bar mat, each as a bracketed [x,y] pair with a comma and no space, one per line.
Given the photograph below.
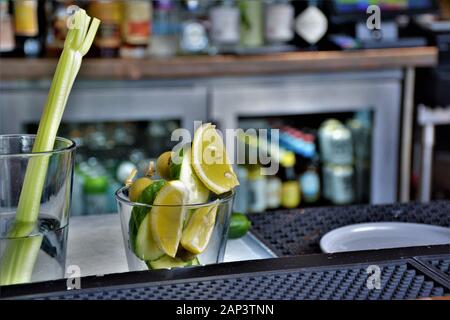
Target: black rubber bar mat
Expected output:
[298,231]
[407,273]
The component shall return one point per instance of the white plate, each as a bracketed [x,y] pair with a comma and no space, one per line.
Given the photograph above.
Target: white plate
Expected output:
[383,235]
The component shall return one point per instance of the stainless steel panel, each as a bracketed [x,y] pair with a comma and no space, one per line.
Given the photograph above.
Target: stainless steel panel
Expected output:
[103,104]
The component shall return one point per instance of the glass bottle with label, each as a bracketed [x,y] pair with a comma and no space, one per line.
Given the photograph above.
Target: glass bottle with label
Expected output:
[29,23]
[193,34]
[136,28]
[252,23]
[7,41]
[225,25]
[279,22]
[108,39]
[290,188]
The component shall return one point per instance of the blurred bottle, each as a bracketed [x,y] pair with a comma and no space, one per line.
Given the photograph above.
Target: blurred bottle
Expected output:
[95,186]
[165,29]
[360,126]
[58,12]
[108,39]
[30,28]
[225,25]
[96,194]
[310,182]
[311,24]
[256,190]
[136,28]
[273,192]
[279,22]
[290,189]
[335,143]
[341,187]
[7,41]
[193,34]
[252,23]
[241,199]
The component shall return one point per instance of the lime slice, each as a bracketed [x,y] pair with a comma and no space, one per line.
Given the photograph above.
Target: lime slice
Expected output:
[183,171]
[210,161]
[167,216]
[146,247]
[199,229]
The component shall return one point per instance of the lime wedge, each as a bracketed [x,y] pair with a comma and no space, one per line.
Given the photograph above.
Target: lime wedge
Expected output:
[210,161]
[146,247]
[167,216]
[199,229]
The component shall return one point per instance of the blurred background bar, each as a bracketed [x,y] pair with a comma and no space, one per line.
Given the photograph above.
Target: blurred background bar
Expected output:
[342,86]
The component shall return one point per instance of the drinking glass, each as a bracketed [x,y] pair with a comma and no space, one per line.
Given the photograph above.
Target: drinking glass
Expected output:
[38,254]
[215,249]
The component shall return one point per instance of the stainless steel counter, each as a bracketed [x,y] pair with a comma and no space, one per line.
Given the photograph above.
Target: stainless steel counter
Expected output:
[96,246]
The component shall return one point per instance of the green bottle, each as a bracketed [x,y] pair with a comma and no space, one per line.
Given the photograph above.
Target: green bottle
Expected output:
[251,23]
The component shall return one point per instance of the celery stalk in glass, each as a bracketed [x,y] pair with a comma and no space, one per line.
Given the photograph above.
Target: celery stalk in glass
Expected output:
[20,255]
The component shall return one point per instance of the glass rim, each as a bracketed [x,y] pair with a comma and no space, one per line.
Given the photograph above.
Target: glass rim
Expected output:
[120,197]
[71,145]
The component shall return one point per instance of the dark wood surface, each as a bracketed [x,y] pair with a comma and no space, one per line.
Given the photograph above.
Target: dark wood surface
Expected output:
[206,66]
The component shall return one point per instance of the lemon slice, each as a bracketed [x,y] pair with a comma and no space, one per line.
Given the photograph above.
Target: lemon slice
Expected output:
[210,160]
[199,229]
[198,193]
[167,216]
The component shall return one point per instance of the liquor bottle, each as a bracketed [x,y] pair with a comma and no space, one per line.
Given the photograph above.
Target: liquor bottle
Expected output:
[225,26]
[30,27]
[136,28]
[193,34]
[290,188]
[311,24]
[252,23]
[165,29]
[108,39]
[279,22]
[7,41]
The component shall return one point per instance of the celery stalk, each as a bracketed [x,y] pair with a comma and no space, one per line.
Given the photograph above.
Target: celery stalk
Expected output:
[18,260]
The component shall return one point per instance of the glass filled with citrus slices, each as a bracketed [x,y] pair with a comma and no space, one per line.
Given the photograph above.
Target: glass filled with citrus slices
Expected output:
[180,219]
